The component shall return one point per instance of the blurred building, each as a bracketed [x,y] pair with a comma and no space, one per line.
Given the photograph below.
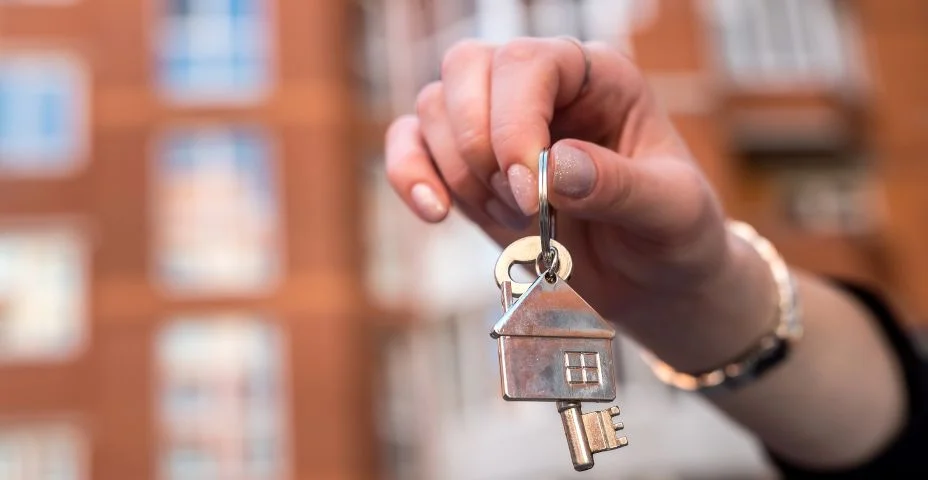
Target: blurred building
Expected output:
[807,116]
[181,263]
[204,275]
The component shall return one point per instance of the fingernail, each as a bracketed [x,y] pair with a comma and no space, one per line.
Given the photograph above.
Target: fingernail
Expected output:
[574,172]
[505,215]
[524,188]
[427,202]
[501,185]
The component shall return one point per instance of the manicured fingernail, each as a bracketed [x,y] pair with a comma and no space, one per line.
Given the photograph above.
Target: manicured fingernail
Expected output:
[574,172]
[427,202]
[501,186]
[524,188]
[505,215]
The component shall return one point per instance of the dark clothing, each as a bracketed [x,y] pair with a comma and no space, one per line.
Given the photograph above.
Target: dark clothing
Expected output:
[907,456]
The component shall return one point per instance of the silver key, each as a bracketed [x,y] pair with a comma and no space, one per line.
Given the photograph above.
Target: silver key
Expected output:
[552,345]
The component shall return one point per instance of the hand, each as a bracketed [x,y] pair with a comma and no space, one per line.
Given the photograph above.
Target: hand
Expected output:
[646,233]
[636,213]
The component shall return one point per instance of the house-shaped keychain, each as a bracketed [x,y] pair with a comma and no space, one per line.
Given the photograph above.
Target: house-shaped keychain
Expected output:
[554,347]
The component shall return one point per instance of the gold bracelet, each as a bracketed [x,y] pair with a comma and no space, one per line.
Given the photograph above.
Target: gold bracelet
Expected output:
[772,348]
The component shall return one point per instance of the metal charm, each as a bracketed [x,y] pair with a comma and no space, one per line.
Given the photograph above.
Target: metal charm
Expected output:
[552,345]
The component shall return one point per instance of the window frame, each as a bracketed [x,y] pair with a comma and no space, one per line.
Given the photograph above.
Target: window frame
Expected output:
[767,72]
[279,406]
[200,96]
[278,253]
[62,421]
[77,229]
[64,164]
[577,362]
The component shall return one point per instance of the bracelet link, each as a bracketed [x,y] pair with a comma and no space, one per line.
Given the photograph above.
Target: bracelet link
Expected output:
[769,351]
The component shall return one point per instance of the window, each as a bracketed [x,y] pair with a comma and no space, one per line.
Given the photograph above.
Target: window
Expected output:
[42,113]
[556,17]
[214,50]
[605,20]
[42,294]
[220,399]
[404,41]
[837,201]
[42,451]
[775,41]
[614,21]
[217,221]
[581,368]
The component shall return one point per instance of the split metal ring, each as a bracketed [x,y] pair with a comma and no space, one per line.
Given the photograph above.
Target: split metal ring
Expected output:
[545,212]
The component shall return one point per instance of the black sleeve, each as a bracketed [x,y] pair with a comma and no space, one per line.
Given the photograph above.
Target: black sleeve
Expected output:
[907,455]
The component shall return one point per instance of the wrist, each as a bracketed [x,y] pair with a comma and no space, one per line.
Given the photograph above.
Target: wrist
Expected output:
[710,325]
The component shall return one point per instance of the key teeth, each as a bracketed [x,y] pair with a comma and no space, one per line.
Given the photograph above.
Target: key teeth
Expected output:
[614,412]
[601,430]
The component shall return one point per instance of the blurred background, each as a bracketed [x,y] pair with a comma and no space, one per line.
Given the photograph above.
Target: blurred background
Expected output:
[204,275]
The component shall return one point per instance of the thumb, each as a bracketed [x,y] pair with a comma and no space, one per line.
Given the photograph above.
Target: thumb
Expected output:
[660,198]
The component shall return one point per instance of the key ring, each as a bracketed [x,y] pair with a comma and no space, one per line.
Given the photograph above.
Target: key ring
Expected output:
[545,216]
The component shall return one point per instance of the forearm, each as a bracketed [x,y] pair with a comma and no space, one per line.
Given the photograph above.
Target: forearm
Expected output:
[837,399]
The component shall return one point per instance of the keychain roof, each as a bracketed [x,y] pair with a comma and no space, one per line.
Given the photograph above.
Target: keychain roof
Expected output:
[552,310]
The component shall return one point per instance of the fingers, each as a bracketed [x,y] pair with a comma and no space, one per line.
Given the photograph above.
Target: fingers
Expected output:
[465,76]
[427,186]
[660,199]
[410,170]
[458,177]
[480,130]
[531,79]
[414,177]
[613,108]
[466,82]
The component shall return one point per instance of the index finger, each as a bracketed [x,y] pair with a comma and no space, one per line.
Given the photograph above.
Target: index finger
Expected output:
[531,78]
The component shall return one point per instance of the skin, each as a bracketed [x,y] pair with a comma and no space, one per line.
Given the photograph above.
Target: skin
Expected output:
[648,239]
